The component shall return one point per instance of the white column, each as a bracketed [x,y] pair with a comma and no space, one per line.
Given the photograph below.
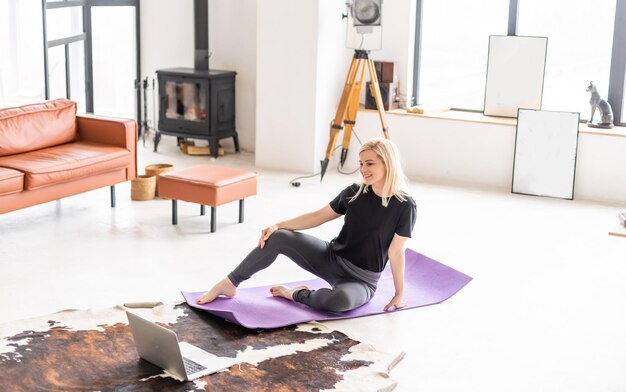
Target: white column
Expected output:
[301,65]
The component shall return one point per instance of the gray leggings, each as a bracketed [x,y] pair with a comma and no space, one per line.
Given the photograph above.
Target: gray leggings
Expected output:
[351,286]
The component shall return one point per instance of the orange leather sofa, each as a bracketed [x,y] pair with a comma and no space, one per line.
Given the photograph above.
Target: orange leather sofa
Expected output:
[48,152]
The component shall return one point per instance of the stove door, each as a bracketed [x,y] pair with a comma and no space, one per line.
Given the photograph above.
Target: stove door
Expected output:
[184,105]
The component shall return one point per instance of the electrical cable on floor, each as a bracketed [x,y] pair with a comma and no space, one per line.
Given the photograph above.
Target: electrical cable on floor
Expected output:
[294,183]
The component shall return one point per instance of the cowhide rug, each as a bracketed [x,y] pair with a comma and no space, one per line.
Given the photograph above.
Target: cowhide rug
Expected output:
[93,350]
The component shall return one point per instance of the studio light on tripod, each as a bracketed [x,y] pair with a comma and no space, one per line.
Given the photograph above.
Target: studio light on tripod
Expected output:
[364,28]
[364,33]
[366,14]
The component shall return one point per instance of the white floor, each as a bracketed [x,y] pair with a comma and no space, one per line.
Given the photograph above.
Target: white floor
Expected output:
[546,310]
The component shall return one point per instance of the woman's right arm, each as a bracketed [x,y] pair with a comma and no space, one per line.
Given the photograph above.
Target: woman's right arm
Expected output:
[302,222]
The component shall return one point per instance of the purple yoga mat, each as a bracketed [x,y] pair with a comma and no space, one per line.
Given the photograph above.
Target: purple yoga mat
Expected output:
[426,282]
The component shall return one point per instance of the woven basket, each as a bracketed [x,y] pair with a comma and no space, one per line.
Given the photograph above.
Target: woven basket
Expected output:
[156,170]
[143,188]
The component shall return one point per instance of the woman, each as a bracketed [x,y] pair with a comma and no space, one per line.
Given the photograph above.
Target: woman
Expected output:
[379,218]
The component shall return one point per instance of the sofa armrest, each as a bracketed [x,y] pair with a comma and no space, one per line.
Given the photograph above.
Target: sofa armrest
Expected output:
[107,130]
[110,131]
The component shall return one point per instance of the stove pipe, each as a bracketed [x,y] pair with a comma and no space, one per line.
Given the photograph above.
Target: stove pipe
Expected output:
[201,34]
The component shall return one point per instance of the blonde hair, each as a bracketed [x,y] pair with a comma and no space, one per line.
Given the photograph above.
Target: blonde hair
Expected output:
[395,180]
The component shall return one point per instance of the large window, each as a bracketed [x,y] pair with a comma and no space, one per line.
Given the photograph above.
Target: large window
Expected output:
[452,39]
[90,57]
[455,39]
[21,48]
[580,39]
[114,60]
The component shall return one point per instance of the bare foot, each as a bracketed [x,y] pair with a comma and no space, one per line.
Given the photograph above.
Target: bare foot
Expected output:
[224,287]
[285,292]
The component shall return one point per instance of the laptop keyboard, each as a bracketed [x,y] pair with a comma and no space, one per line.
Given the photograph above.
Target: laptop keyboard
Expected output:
[191,366]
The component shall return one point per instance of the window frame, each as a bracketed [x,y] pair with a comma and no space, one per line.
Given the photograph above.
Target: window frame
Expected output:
[86,37]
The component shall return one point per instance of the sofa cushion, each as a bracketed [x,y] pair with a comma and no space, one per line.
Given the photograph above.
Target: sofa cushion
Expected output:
[32,127]
[11,181]
[66,162]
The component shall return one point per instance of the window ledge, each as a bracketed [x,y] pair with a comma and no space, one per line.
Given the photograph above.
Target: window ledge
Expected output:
[457,115]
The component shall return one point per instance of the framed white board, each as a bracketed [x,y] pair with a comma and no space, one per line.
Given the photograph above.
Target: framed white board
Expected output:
[544,162]
[515,73]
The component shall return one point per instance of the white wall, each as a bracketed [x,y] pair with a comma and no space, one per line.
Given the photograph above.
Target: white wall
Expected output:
[478,154]
[446,151]
[166,35]
[601,168]
[301,60]
[286,78]
[232,42]
[333,62]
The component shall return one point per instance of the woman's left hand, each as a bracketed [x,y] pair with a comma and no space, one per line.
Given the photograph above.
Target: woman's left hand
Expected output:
[396,302]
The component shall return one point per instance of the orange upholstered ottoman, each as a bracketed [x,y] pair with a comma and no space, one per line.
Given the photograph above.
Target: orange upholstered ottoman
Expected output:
[207,185]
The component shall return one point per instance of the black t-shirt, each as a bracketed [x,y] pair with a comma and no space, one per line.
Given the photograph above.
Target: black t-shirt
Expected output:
[369,227]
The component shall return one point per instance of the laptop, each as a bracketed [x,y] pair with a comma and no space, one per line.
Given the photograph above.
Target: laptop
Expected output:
[160,346]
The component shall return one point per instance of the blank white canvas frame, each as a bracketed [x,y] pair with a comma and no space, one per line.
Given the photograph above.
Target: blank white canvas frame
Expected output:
[544,162]
[515,74]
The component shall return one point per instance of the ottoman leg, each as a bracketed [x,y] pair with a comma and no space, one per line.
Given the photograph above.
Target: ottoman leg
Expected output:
[241,211]
[213,210]
[174,212]
[202,210]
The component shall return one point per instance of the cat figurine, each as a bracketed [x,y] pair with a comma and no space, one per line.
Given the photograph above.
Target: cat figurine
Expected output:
[596,102]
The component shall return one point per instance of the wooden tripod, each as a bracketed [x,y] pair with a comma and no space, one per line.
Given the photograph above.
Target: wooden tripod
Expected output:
[349,105]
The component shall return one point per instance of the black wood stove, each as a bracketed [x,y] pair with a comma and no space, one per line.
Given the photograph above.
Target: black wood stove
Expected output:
[197,103]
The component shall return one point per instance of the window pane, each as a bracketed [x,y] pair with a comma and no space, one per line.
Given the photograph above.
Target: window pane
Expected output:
[21,52]
[64,22]
[56,72]
[455,42]
[580,38]
[114,61]
[77,75]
